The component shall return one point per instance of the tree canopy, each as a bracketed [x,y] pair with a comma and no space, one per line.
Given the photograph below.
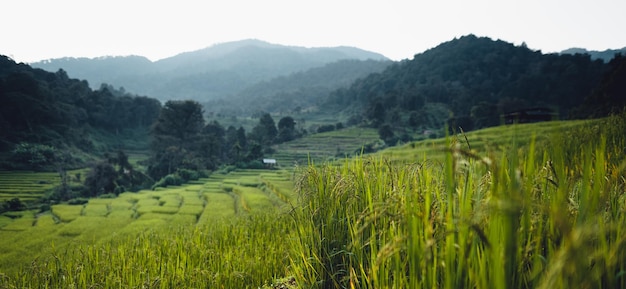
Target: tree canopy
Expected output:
[45,108]
[473,78]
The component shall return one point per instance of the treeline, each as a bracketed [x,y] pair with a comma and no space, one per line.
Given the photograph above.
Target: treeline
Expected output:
[182,141]
[44,112]
[469,81]
[183,147]
[49,121]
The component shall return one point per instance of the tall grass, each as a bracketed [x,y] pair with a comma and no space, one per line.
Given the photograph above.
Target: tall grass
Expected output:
[239,253]
[544,213]
[539,216]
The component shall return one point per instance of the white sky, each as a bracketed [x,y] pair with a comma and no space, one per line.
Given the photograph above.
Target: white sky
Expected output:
[33,30]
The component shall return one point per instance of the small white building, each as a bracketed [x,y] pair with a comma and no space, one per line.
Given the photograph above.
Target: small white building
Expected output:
[269,162]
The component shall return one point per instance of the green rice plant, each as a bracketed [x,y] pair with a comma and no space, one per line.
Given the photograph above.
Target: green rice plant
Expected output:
[97,208]
[239,253]
[4,220]
[255,199]
[195,210]
[25,222]
[218,205]
[517,218]
[171,200]
[184,219]
[193,198]
[66,213]
[145,209]
[45,221]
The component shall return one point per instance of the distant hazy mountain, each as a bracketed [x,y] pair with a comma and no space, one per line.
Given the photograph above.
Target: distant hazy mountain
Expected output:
[605,55]
[214,72]
[297,91]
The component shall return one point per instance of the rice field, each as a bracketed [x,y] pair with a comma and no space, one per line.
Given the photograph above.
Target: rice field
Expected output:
[31,186]
[218,199]
[546,210]
[322,147]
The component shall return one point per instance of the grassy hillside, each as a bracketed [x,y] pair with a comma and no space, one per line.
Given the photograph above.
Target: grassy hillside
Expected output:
[493,140]
[513,209]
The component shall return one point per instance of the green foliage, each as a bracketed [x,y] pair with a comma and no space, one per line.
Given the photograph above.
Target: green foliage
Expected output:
[325,128]
[181,176]
[14,204]
[385,132]
[43,110]
[265,131]
[286,130]
[169,180]
[610,96]
[514,220]
[470,76]
[101,179]
[78,201]
[197,222]
[33,156]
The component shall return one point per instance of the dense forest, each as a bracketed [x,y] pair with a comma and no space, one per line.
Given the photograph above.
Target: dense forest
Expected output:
[470,82]
[42,109]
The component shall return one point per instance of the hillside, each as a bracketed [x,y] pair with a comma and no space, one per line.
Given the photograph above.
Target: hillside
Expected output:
[205,74]
[296,92]
[49,117]
[472,81]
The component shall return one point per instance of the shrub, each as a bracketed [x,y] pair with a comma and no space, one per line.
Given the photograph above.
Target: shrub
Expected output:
[187,175]
[14,204]
[326,128]
[78,201]
[33,156]
[169,180]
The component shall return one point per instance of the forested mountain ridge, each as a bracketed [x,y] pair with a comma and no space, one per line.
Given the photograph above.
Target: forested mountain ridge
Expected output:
[45,112]
[296,92]
[214,72]
[471,80]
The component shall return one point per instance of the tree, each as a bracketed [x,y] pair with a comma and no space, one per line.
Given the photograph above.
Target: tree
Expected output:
[100,179]
[176,138]
[286,129]
[485,114]
[265,131]
[179,124]
[385,132]
[212,144]
[376,114]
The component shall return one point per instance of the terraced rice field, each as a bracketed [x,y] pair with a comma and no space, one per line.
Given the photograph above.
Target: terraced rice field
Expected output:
[25,235]
[322,147]
[30,186]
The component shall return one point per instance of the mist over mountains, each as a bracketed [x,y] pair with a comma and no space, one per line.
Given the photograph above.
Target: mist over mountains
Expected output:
[461,77]
[605,55]
[214,72]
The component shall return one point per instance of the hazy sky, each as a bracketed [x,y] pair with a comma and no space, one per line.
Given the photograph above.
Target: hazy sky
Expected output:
[34,30]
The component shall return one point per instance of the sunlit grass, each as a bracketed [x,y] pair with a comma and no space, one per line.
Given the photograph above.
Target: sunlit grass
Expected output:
[517,217]
[530,210]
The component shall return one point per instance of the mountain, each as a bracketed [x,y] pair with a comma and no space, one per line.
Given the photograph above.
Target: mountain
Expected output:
[605,55]
[295,92]
[471,79]
[214,72]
